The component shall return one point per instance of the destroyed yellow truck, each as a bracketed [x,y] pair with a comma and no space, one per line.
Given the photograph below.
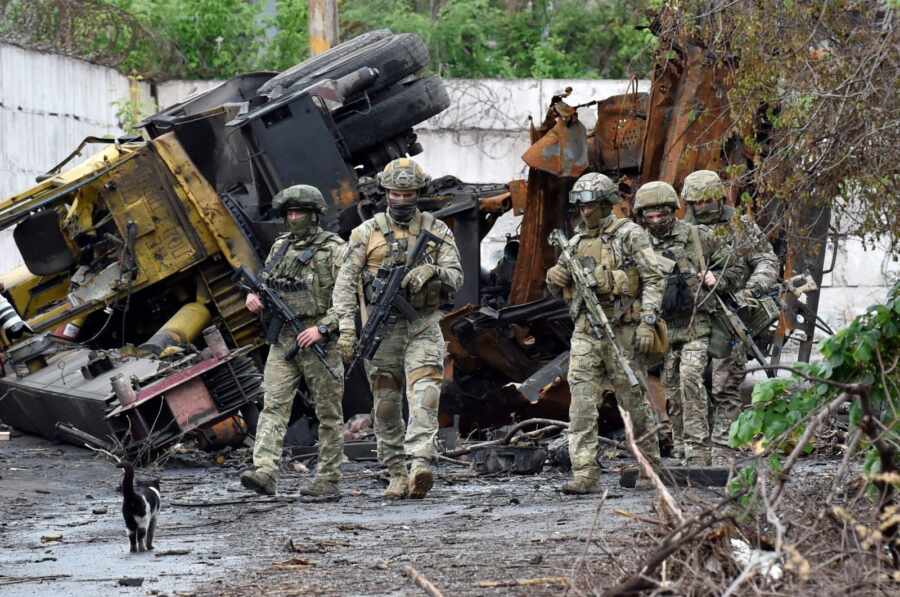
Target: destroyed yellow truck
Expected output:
[130,254]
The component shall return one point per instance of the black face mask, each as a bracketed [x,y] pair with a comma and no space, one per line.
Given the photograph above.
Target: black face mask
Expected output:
[402,210]
[600,212]
[707,213]
[402,213]
[661,227]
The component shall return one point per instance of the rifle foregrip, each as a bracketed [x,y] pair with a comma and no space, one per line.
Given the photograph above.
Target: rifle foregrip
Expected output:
[292,353]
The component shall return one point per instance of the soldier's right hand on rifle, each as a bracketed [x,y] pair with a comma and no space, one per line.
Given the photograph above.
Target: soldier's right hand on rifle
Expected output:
[253,304]
[559,276]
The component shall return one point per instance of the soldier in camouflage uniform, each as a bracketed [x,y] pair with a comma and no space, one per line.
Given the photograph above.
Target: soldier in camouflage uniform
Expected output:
[704,195]
[684,251]
[302,266]
[412,353]
[629,285]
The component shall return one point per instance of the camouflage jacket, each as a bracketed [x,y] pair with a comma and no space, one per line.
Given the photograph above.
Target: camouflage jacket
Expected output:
[368,250]
[751,248]
[680,260]
[626,248]
[304,272]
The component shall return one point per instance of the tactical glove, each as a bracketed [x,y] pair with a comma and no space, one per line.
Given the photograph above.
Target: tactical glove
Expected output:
[558,276]
[416,278]
[346,343]
[644,337]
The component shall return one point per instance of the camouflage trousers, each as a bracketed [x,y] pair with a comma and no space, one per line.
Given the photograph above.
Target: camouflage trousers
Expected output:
[686,394]
[280,381]
[725,403]
[593,368]
[411,355]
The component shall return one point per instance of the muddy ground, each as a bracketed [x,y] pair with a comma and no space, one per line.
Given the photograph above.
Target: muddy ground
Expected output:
[217,539]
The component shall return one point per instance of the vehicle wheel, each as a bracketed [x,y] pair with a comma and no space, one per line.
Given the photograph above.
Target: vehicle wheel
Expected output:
[395,113]
[395,57]
[286,78]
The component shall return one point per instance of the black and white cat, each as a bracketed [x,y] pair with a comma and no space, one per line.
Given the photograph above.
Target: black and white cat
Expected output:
[140,509]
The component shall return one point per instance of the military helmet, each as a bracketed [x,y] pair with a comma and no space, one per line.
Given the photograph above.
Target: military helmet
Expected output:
[299,196]
[593,187]
[702,185]
[403,174]
[655,194]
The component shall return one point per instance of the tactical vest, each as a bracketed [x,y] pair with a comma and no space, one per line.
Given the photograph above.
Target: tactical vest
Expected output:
[682,283]
[390,247]
[303,273]
[620,269]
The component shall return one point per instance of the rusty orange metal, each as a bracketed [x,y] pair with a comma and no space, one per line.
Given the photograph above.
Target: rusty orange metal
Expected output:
[496,204]
[619,133]
[518,190]
[563,151]
[688,119]
[545,211]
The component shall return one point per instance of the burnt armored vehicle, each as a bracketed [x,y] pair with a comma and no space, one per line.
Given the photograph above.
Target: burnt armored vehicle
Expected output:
[129,256]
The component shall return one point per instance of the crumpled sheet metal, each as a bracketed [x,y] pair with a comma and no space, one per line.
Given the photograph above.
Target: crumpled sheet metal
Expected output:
[563,151]
[688,118]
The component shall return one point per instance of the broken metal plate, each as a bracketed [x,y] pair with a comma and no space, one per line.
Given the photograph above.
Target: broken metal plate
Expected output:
[563,151]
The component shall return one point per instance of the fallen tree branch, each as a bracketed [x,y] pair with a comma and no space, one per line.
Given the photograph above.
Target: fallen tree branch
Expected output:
[648,468]
[422,581]
[524,582]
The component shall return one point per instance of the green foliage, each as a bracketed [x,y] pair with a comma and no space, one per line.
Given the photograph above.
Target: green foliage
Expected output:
[290,44]
[866,351]
[220,38]
[214,38]
[481,39]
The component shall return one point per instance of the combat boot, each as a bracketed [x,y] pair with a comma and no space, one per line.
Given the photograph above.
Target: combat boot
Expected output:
[259,481]
[398,485]
[322,488]
[421,479]
[697,456]
[580,485]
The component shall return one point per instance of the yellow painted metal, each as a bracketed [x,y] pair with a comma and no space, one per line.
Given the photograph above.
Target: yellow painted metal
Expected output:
[152,189]
[199,193]
[188,322]
[108,156]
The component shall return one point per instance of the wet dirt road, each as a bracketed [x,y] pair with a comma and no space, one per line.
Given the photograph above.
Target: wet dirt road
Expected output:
[217,539]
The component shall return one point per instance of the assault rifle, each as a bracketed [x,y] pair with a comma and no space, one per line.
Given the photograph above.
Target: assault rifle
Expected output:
[388,299]
[280,314]
[739,329]
[585,281]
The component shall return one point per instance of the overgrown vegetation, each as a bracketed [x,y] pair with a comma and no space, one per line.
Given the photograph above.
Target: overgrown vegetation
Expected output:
[219,38]
[813,96]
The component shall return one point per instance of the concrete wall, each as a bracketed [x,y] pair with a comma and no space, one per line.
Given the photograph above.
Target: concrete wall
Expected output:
[49,103]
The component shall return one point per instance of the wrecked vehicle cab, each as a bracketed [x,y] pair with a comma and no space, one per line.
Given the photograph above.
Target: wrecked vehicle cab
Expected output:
[129,256]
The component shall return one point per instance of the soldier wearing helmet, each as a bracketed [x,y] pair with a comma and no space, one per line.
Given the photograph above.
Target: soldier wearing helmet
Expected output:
[302,267]
[629,285]
[704,194]
[686,254]
[411,355]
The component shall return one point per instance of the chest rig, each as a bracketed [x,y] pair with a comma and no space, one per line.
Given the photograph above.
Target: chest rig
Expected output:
[302,274]
[388,250]
[606,251]
[682,283]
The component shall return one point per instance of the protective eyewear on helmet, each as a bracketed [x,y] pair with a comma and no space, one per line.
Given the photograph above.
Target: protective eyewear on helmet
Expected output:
[583,196]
